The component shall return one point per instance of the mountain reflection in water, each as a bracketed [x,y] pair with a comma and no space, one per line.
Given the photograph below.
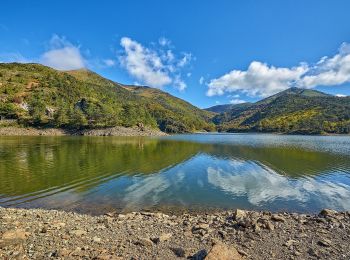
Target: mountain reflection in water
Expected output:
[253,171]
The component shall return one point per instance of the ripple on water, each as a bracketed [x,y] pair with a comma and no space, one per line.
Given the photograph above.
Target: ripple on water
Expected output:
[254,171]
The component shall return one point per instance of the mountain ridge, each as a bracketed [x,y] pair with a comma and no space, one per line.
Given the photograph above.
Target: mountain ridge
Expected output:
[37,95]
[292,111]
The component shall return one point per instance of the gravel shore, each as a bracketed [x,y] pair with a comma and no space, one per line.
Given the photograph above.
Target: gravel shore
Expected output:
[111,131]
[44,234]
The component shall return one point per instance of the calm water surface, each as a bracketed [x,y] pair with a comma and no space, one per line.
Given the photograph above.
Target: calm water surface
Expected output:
[194,172]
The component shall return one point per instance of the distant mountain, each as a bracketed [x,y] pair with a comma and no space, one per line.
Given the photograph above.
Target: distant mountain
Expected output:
[291,111]
[226,108]
[294,91]
[41,96]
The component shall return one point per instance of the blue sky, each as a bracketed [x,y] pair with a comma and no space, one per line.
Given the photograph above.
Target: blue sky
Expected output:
[206,52]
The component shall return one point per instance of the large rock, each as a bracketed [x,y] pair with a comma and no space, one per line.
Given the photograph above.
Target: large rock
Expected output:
[278,218]
[327,213]
[222,252]
[239,214]
[15,234]
[13,237]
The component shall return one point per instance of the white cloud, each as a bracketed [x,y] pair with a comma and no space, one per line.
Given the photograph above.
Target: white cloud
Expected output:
[330,71]
[153,67]
[179,84]
[63,55]
[186,59]
[237,101]
[340,95]
[144,64]
[164,41]
[259,80]
[169,55]
[263,80]
[60,54]
[234,96]
[109,62]
[201,80]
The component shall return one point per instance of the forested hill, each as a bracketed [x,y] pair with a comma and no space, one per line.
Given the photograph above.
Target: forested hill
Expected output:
[291,111]
[37,95]
[224,108]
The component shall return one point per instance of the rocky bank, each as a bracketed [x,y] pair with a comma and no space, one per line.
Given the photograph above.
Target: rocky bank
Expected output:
[111,131]
[46,234]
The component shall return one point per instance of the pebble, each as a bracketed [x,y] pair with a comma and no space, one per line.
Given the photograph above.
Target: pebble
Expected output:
[156,235]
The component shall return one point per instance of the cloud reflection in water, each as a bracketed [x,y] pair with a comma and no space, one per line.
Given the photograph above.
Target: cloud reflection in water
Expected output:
[262,185]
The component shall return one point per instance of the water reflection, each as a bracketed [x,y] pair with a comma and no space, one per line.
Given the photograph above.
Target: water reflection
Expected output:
[224,171]
[261,186]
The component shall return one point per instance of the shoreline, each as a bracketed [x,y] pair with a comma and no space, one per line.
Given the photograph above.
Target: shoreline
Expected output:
[237,234]
[121,131]
[111,131]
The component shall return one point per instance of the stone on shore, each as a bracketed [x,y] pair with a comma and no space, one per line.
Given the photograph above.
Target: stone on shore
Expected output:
[239,214]
[223,252]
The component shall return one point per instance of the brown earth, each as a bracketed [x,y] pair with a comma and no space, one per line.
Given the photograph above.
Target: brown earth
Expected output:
[46,234]
[112,131]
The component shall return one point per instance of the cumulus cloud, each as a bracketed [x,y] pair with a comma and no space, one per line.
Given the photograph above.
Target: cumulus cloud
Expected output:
[63,55]
[186,59]
[109,62]
[179,83]
[340,95]
[263,80]
[236,101]
[258,80]
[330,71]
[144,64]
[201,80]
[164,41]
[60,54]
[151,66]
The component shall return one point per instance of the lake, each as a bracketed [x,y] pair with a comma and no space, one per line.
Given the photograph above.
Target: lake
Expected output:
[181,172]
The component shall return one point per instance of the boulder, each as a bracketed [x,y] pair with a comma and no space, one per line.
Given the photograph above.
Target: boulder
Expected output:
[179,252]
[223,252]
[328,212]
[239,214]
[325,242]
[278,218]
[269,226]
[13,237]
[15,234]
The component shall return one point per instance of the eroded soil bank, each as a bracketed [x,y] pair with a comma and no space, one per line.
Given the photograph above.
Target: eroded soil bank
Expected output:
[43,234]
[112,131]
